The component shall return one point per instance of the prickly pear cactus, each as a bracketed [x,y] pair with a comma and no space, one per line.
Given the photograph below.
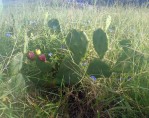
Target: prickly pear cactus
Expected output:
[125,44]
[69,73]
[77,44]
[67,69]
[100,42]
[54,26]
[129,60]
[43,64]
[124,63]
[97,67]
[16,64]
[17,83]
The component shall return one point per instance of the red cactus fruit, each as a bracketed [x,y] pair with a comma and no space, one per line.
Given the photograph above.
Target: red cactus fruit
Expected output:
[31,55]
[42,57]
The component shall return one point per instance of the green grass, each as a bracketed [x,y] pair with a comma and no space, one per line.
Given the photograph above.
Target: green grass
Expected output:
[106,97]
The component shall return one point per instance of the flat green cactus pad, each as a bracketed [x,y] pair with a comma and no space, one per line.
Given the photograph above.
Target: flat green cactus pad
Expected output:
[98,68]
[54,25]
[69,73]
[100,42]
[16,64]
[77,44]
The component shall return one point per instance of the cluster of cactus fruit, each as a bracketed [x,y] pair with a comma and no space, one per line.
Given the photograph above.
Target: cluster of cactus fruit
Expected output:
[66,65]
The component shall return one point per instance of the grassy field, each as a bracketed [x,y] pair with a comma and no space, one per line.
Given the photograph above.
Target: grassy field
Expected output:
[118,96]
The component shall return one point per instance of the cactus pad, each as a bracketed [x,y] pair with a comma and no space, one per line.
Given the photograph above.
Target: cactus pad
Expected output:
[77,44]
[100,42]
[54,26]
[98,68]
